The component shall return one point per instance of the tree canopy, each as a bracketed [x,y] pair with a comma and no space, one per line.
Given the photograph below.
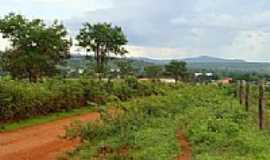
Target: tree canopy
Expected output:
[125,67]
[102,39]
[177,69]
[36,48]
[153,71]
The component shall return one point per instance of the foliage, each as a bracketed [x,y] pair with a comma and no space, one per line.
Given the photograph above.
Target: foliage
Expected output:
[153,71]
[38,120]
[125,68]
[215,123]
[102,39]
[131,87]
[36,49]
[233,69]
[177,69]
[20,100]
[220,129]
[137,132]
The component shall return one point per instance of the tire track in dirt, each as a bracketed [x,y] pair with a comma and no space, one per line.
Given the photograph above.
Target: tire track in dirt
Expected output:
[41,142]
[186,149]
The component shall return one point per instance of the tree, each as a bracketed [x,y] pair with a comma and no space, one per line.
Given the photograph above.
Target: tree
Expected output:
[36,49]
[125,68]
[177,69]
[102,39]
[153,71]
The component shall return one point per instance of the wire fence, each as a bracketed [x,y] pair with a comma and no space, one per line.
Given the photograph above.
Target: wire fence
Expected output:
[254,98]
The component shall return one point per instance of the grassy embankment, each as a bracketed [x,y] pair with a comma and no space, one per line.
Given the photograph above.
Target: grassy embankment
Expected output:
[217,126]
[24,104]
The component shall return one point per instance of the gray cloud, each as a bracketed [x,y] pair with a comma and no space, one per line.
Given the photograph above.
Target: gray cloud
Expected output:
[212,27]
[178,28]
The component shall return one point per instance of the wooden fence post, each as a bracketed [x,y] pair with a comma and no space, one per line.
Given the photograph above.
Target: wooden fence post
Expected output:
[242,92]
[261,104]
[247,97]
[238,89]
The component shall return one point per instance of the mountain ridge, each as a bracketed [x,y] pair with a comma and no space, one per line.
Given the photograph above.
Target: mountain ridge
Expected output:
[199,59]
[195,63]
[210,59]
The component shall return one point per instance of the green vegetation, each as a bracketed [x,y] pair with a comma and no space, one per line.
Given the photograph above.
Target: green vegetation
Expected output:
[153,71]
[242,71]
[143,131]
[20,100]
[125,68]
[220,129]
[102,39]
[216,124]
[36,49]
[146,115]
[176,69]
[44,119]
[236,68]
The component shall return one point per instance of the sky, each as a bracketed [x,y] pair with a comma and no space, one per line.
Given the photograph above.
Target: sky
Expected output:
[165,29]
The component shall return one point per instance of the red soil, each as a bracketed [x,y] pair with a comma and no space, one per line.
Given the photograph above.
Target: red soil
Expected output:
[41,142]
[186,148]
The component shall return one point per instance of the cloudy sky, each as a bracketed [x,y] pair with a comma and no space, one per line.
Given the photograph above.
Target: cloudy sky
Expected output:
[167,28]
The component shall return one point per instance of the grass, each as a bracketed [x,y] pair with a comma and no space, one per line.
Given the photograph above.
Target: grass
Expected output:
[217,126]
[43,119]
[146,131]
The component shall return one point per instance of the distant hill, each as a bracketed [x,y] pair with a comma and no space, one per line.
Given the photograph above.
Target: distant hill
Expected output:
[214,64]
[200,59]
[207,59]
[196,64]
[150,60]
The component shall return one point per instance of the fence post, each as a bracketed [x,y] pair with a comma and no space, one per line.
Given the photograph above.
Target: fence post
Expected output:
[238,89]
[261,104]
[235,94]
[247,97]
[242,92]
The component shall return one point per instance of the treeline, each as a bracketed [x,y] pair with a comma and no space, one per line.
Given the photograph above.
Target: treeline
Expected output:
[38,50]
[19,100]
[37,54]
[251,77]
[79,66]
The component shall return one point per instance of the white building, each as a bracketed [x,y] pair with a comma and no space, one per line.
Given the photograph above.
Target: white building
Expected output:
[198,74]
[209,74]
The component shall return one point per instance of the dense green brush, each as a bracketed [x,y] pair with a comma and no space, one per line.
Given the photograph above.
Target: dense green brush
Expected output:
[20,100]
[217,126]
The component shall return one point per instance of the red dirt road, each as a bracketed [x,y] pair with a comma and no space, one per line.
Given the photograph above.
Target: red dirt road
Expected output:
[186,148]
[41,142]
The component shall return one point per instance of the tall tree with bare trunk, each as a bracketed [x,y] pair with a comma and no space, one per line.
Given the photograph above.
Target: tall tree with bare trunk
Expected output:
[102,39]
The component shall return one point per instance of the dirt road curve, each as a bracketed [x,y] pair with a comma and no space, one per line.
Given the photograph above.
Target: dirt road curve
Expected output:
[39,142]
[42,142]
[186,148]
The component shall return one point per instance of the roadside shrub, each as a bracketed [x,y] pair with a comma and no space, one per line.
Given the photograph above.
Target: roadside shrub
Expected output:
[217,127]
[20,100]
[134,133]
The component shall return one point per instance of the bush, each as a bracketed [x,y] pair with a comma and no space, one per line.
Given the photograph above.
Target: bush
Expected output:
[142,124]
[216,124]
[20,100]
